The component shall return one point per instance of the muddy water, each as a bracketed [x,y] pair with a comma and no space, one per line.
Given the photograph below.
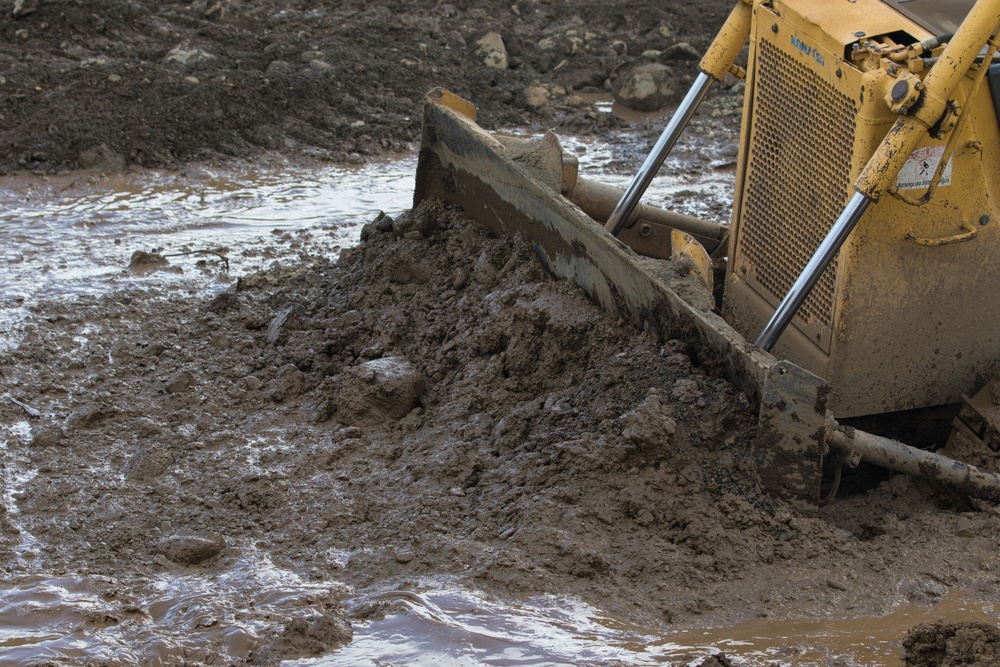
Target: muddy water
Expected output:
[72,235]
[450,627]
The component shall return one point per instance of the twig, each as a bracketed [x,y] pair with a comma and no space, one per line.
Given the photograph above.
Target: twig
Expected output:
[202,252]
[32,412]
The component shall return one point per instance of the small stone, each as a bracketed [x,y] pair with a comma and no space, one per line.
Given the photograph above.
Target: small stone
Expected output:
[492,48]
[964,527]
[404,556]
[456,491]
[383,222]
[836,585]
[190,549]
[24,7]
[536,96]
[681,51]
[191,80]
[187,55]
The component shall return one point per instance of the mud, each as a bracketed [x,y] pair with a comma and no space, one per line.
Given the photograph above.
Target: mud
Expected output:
[114,83]
[431,406]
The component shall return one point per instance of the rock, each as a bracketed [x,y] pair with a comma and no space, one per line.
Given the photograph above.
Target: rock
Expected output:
[650,425]
[149,463]
[383,222]
[190,549]
[681,51]
[144,262]
[646,88]
[686,390]
[47,436]
[965,527]
[619,47]
[492,48]
[536,96]
[404,556]
[188,56]
[387,388]
[181,382]
[414,220]
[571,45]
[24,7]
[102,158]
[586,77]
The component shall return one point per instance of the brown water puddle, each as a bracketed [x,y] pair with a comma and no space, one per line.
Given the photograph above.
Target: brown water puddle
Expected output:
[463,628]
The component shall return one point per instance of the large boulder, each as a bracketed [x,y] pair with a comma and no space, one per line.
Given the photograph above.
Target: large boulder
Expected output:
[647,88]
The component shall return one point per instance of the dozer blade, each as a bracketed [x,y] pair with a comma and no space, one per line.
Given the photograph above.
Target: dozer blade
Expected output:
[509,194]
[462,164]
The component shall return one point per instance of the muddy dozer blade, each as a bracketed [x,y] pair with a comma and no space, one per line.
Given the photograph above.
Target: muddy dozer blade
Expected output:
[462,164]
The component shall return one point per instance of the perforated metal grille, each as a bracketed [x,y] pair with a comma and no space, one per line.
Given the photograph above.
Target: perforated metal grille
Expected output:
[797,177]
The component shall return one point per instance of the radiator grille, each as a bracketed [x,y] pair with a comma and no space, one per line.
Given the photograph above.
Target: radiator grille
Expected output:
[797,177]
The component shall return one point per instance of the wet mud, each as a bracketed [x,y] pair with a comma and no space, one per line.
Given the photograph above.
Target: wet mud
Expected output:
[248,471]
[432,406]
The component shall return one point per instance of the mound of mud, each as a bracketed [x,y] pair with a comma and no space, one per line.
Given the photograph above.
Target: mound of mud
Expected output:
[946,644]
[432,405]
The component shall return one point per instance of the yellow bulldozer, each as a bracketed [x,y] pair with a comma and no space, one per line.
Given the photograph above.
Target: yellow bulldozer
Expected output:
[860,274]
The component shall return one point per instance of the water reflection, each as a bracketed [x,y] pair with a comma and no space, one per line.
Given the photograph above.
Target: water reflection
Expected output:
[456,627]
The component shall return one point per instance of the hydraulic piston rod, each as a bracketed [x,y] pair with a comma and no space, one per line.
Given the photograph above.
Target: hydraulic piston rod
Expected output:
[810,275]
[671,133]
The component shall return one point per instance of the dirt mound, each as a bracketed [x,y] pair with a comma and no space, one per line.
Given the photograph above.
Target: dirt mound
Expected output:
[952,644]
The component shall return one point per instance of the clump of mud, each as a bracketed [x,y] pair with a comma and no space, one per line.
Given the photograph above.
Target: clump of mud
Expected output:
[430,406]
[946,644]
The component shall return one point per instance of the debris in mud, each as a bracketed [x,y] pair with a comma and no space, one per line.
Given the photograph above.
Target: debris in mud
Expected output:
[146,262]
[190,549]
[127,83]
[305,637]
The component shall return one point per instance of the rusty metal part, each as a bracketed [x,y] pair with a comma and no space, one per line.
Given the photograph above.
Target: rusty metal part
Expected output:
[897,456]
[979,417]
[650,233]
[790,445]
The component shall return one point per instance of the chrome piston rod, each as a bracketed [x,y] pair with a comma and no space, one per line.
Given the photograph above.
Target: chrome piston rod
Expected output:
[810,275]
[662,148]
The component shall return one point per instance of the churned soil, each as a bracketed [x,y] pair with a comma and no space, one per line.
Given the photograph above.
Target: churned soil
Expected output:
[431,404]
[434,404]
[110,83]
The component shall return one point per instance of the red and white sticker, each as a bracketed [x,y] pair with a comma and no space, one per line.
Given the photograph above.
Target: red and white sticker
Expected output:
[918,172]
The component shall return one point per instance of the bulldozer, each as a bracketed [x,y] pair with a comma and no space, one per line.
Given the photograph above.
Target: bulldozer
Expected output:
[858,276]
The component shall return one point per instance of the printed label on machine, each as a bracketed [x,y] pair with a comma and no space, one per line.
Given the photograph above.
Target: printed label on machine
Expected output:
[919,169]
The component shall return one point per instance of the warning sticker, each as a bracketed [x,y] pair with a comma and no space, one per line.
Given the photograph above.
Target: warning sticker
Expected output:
[919,169]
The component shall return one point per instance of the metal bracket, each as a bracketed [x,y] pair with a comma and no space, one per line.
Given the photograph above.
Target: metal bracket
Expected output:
[791,434]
